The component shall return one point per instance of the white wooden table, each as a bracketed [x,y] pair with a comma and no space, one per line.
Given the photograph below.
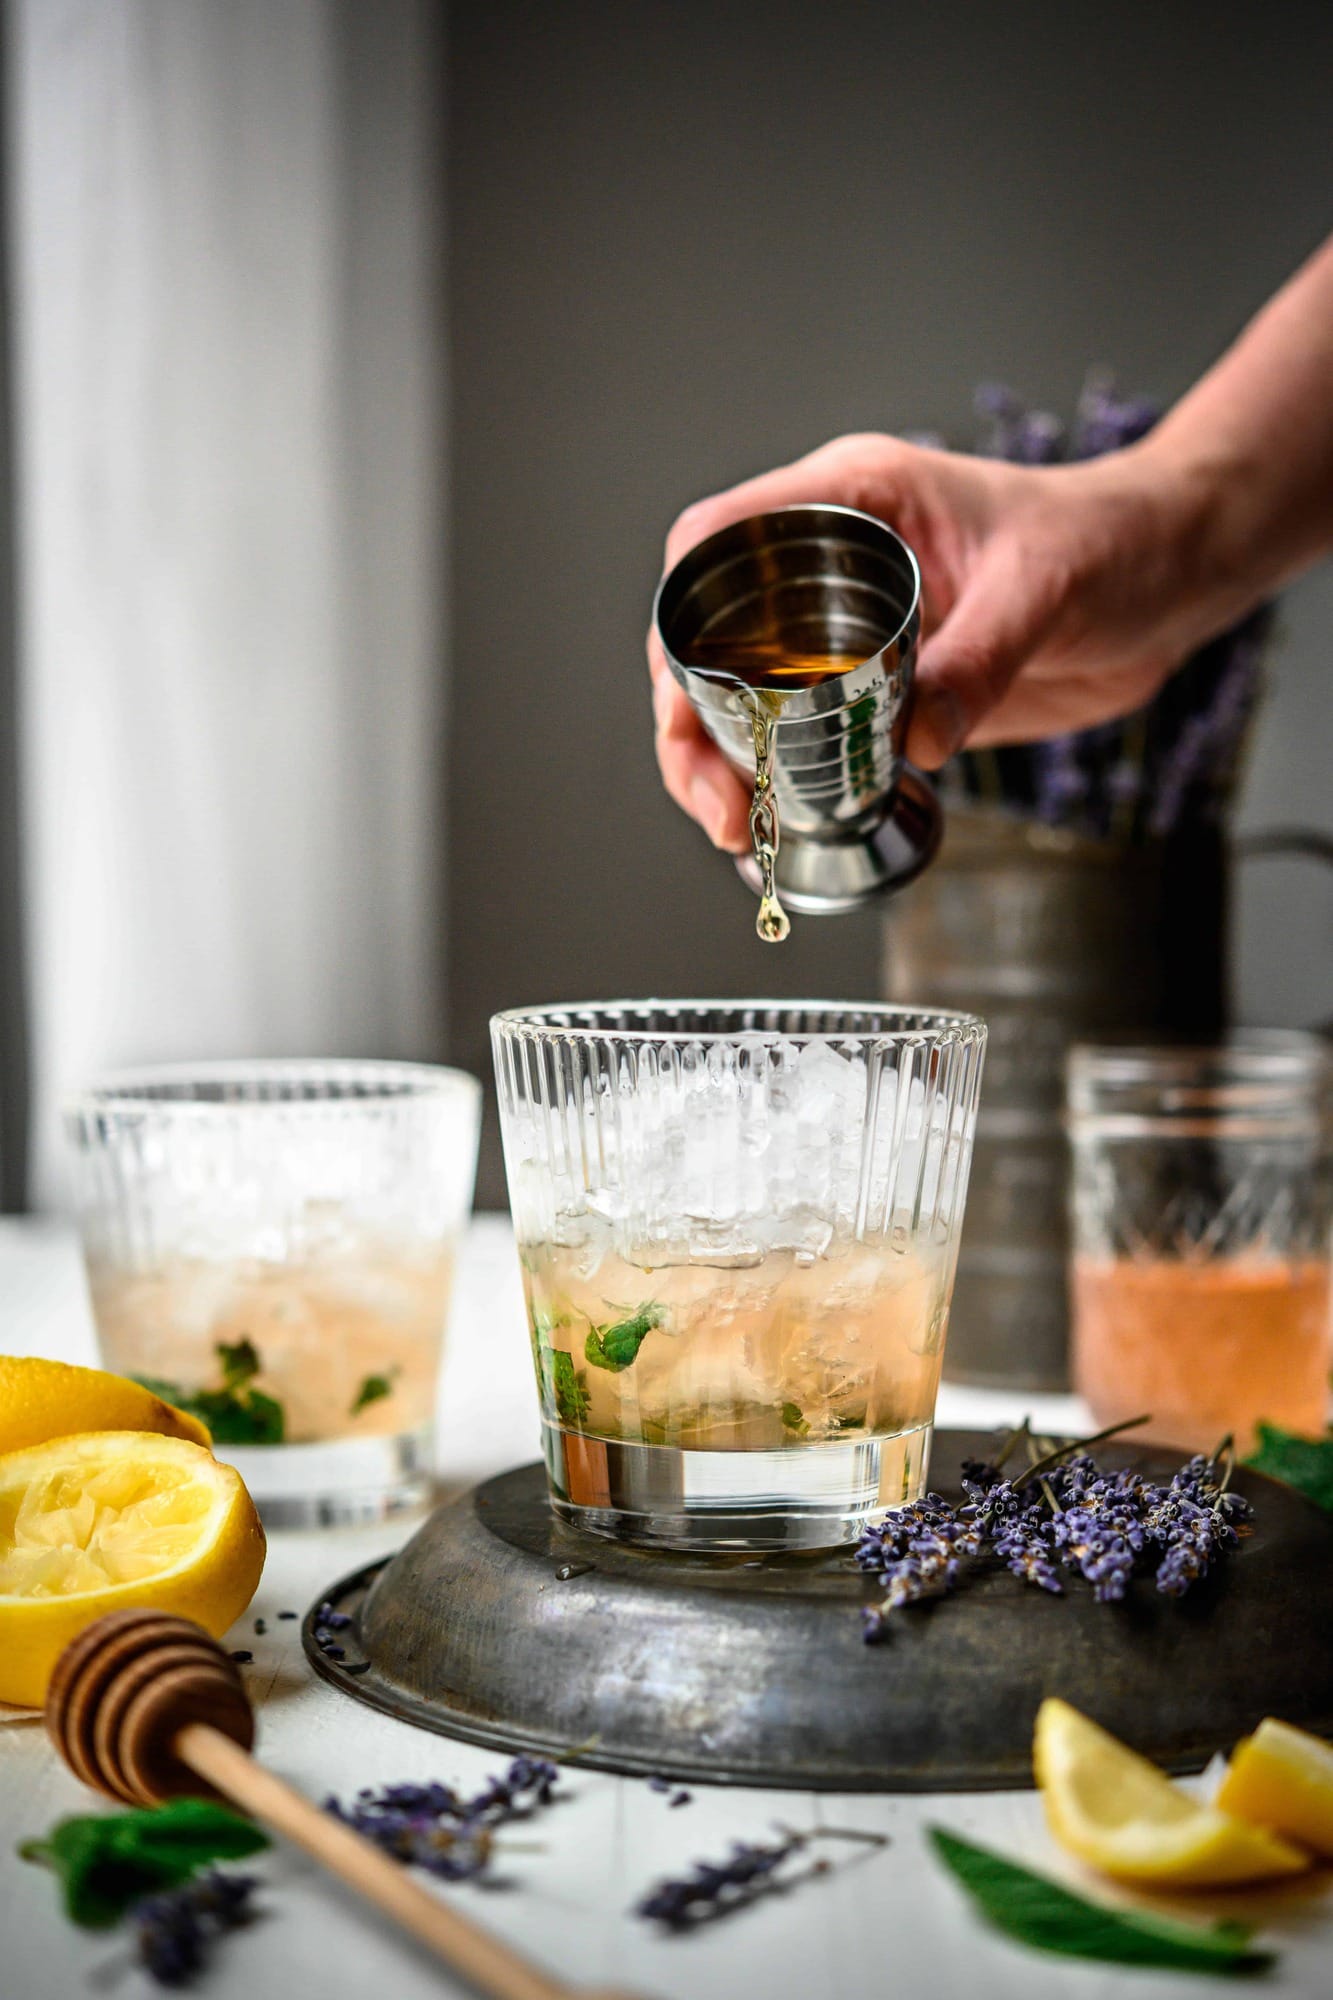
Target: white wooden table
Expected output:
[886,1922]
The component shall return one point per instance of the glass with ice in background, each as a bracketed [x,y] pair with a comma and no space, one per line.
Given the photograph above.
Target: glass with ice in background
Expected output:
[272,1246]
[1202,1228]
[738,1225]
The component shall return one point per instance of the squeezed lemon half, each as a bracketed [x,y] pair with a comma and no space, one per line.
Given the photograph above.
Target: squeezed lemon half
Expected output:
[1282,1778]
[49,1399]
[112,1519]
[1120,1814]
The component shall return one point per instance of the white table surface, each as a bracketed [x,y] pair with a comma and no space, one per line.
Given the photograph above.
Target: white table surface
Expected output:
[885,1922]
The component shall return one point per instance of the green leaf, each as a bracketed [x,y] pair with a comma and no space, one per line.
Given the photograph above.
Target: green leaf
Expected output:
[567,1389]
[1305,1463]
[234,1414]
[373,1390]
[1040,1912]
[792,1420]
[108,1861]
[239,1361]
[253,1418]
[617,1347]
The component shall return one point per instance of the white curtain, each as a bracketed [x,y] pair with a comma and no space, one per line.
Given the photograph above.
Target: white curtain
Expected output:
[228,358]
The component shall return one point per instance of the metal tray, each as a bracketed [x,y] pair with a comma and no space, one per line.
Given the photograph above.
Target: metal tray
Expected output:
[499,1625]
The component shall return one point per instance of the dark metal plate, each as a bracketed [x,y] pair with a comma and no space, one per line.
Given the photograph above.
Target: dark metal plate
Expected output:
[499,1625]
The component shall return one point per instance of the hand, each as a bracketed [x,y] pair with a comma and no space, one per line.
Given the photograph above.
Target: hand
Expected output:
[1054,597]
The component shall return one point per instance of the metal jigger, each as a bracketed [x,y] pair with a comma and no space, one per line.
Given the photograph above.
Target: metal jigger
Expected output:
[856,819]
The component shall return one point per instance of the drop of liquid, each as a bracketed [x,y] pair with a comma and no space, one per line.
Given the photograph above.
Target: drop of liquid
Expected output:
[772,923]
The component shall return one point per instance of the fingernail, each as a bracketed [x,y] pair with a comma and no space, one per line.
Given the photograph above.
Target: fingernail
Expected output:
[941,714]
[709,808]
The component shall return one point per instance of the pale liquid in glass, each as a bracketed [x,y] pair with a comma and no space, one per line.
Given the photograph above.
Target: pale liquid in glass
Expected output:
[1208,1349]
[348,1343]
[822,1373]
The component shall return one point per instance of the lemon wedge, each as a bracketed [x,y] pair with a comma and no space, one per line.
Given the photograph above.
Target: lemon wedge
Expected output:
[1283,1779]
[1120,1814]
[50,1399]
[110,1519]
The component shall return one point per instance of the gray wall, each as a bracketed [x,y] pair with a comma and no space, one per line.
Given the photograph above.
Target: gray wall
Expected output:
[689,240]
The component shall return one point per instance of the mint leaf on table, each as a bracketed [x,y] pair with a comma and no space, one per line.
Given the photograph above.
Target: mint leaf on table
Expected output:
[1036,1911]
[617,1347]
[234,1413]
[108,1861]
[1305,1463]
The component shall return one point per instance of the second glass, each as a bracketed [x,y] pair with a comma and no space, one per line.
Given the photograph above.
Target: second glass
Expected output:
[1201,1280]
[738,1225]
[272,1245]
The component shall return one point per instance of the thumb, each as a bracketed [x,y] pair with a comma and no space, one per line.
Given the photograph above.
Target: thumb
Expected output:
[966,667]
[870,472]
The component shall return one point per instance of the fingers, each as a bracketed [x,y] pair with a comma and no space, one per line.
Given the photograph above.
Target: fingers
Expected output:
[696,774]
[848,472]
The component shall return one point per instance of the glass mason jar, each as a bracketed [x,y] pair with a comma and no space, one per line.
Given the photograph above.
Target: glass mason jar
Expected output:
[738,1224]
[272,1244]
[1202,1226]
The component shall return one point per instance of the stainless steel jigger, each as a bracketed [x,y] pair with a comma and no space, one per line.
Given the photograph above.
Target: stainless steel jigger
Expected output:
[855,818]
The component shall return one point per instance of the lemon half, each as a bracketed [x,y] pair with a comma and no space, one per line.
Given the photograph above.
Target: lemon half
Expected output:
[113,1519]
[1283,1779]
[49,1399]
[1120,1814]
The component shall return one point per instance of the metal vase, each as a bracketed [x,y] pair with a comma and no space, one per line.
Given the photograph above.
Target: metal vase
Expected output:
[855,818]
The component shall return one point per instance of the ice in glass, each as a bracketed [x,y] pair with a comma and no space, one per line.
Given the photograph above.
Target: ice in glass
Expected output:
[738,1227]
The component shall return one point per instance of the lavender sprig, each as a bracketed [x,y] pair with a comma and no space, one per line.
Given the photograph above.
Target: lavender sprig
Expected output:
[434,1827]
[712,1889]
[176,1929]
[1063,1513]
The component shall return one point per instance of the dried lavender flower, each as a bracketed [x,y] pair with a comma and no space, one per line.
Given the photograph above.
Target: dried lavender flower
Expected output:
[433,1827]
[713,1888]
[1064,1512]
[676,1794]
[175,1930]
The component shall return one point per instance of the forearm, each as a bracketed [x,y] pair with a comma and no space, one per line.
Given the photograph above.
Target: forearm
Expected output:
[1250,448]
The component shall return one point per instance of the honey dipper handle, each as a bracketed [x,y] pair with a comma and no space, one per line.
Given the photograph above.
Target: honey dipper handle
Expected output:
[464,1946]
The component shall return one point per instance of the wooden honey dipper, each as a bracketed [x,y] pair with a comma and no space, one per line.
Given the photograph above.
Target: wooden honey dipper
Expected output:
[146,1707]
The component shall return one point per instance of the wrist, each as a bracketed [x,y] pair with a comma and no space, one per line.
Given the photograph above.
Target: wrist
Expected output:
[1201,543]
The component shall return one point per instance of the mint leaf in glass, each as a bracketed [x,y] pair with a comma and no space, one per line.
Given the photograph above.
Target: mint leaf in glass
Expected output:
[567,1389]
[374,1388]
[617,1347]
[1036,1911]
[234,1413]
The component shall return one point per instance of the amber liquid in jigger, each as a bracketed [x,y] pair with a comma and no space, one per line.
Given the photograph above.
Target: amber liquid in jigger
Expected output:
[768,671]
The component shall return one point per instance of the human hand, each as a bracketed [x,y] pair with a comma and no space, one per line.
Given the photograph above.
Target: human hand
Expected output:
[1053,597]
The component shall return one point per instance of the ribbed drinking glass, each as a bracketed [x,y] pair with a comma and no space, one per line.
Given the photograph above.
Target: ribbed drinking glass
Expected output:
[738,1225]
